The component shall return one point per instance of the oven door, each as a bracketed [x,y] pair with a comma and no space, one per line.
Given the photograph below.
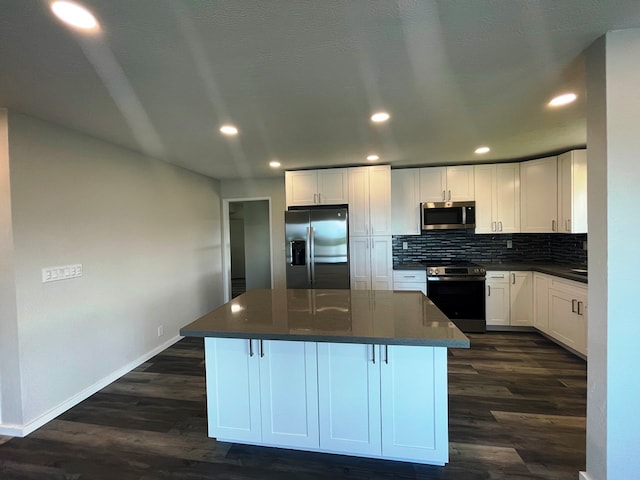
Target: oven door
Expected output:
[461,299]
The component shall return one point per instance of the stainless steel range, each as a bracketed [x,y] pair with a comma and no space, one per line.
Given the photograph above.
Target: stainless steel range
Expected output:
[457,288]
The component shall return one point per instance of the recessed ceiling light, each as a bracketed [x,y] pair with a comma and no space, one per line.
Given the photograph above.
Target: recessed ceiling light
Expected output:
[373,158]
[228,130]
[563,99]
[74,15]
[482,150]
[274,164]
[380,117]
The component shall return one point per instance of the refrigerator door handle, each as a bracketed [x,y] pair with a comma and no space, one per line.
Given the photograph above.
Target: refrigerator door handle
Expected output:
[312,252]
[308,255]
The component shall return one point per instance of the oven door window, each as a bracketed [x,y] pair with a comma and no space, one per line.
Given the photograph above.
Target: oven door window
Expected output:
[458,299]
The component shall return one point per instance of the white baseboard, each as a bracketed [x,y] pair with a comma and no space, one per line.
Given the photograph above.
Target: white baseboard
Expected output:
[13,430]
[584,476]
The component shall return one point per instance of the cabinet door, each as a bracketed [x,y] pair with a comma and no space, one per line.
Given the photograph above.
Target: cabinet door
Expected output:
[380,199]
[485,189]
[460,185]
[414,403]
[333,186]
[289,393]
[572,192]
[233,389]
[565,324]
[405,201]
[360,266]
[358,202]
[301,187]
[541,302]
[507,198]
[521,297]
[349,398]
[497,301]
[539,196]
[381,263]
[433,184]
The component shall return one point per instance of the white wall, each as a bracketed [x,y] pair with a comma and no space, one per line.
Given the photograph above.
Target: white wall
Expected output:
[10,390]
[272,188]
[257,244]
[148,236]
[613,115]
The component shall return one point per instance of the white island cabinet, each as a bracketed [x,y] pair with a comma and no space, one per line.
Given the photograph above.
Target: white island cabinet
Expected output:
[351,372]
[263,391]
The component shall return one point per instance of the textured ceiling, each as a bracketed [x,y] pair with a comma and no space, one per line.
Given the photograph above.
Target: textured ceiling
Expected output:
[300,78]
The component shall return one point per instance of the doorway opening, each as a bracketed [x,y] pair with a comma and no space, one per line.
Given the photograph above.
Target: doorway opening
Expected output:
[248,263]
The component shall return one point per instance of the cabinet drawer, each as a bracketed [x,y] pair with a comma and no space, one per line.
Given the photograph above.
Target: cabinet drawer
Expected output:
[403,276]
[497,277]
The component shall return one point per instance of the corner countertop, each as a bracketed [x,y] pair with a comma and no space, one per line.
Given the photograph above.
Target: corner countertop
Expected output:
[382,317]
[563,271]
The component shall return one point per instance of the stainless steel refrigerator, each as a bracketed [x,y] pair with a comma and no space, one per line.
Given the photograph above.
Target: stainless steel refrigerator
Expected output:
[317,248]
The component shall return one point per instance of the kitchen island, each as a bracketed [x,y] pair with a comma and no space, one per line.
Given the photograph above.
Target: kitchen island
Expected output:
[353,372]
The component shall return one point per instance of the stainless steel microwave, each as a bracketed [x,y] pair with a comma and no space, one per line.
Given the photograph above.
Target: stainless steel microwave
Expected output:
[448,215]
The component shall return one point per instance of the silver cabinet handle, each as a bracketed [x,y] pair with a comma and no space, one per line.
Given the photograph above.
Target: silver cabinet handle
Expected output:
[500,226]
[261,349]
[319,198]
[409,276]
[553,225]
[580,308]
[488,290]
[250,348]
[373,350]
[513,278]
[493,226]
[372,244]
[568,225]
[315,198]
[386,354]
[449,195]
[573,305]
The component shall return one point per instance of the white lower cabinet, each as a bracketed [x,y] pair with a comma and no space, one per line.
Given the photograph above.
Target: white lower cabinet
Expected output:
[262,392]
[509,300]
[561,311]
[541,284]
[568,314]
[288,393]
[414,280]
[358,399]
[349,398]
[414,408]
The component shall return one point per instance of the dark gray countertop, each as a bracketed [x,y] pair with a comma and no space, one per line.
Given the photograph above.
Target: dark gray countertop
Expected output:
[382,317]
[563,271]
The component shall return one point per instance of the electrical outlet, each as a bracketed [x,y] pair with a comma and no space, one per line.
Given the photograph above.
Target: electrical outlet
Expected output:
[509,243]
[584,245]
[405,245]
[160,330]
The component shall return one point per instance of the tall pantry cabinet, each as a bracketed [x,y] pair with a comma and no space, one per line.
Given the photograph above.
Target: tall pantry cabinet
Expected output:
[370,227]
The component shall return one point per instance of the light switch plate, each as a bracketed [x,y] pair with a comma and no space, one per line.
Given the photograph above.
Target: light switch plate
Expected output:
[53,274]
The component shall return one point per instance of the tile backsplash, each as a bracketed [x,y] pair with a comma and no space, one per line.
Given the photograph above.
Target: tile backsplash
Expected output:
[556,248]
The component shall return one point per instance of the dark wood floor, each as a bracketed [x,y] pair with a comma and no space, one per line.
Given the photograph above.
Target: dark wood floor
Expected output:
[517,411]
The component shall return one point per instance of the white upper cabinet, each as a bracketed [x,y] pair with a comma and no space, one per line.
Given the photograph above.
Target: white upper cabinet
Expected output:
[497,194]
[572,192]
[539,195]
[447,184]
[317,187]
[405,201]
[370,200]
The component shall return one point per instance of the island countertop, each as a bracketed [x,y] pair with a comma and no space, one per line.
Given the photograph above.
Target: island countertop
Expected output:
[382,317]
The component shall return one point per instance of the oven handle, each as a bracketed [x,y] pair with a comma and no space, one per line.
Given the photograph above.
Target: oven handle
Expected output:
[459,278]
